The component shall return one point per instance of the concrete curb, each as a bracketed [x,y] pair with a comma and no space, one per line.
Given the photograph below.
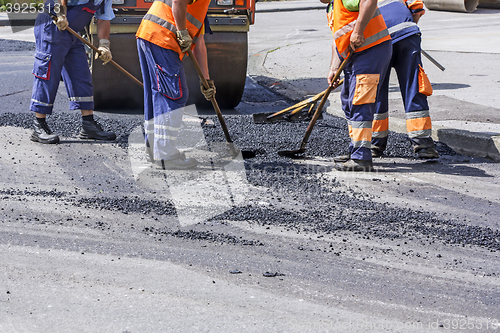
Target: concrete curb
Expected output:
[465,142]
[468,143]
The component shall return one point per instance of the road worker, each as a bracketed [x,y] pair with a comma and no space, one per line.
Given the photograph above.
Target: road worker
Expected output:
[60,54]
[358,27]
[168,30]
[401,19]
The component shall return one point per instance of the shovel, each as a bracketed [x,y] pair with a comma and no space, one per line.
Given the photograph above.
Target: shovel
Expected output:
[112,62]
[302,149]
[234,150]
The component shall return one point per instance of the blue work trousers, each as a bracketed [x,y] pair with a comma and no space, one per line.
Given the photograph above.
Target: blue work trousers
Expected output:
[405,59]
[165,95]
[59,54]
[360,92]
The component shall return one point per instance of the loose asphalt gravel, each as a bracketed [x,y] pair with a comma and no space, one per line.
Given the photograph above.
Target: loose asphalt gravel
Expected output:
[301,199]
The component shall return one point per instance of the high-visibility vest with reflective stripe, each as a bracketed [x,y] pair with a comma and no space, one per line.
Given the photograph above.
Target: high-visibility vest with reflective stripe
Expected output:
[158,25]
[343,25]
[398,18]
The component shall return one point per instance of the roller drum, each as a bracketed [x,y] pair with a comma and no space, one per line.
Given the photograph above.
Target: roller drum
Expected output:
[227,64]
[227,61]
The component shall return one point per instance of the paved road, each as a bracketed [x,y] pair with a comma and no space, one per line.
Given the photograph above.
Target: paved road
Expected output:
[89,240]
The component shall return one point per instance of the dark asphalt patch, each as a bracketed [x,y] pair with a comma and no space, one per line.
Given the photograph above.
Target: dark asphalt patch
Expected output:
[299,197]
[127,205]
[200,236]
[7,45]
[270,274]
[123,205]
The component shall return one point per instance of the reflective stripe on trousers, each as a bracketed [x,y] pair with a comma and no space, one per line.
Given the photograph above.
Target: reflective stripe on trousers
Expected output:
[374,60]
[59,54]
[162,115]
[405,60]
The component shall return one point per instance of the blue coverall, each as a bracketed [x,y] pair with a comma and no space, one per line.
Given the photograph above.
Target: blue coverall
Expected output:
[406,59]
[374,60]
[60,54]
[165,94]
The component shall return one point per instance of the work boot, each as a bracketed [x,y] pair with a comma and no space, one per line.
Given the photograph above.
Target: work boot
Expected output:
[341,158]
[427,154]
[424,148]
[43,134]
[92,130]
[355,165]
[177,162]
[377,152]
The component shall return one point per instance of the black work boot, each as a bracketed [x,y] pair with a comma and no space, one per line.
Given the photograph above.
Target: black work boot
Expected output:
[92,130]
[42,133]
[355,165]
[424,148]
[427,153]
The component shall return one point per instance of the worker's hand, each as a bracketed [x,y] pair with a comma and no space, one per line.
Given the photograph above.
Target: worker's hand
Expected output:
[184,40]
[331,75]
[104,52]
[210,92]
[357,39]
[62,21]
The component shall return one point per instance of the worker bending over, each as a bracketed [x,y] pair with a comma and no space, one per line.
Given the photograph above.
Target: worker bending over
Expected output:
[168,30]
[401,19]
[358,27]
[60,54]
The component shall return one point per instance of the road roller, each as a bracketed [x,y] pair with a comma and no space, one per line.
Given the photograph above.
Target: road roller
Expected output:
[227,56]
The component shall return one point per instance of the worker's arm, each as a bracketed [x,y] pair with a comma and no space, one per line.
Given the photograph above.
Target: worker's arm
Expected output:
[416,8]
[61,21]
[200,54]
[334,66]
[416,17]
[179,11]
[366,10]
[103,30]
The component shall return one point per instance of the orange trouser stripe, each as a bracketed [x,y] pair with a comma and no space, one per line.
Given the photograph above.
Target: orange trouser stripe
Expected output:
[380,125]
[418,124]
[360,134]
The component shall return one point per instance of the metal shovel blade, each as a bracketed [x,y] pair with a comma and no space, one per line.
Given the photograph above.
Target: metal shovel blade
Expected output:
[291,153]
[262,118]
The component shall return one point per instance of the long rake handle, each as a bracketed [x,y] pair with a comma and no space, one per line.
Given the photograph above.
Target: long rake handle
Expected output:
[112,62]
[214,102]
[434,61]
[304,102]
[311,100]
[322,103]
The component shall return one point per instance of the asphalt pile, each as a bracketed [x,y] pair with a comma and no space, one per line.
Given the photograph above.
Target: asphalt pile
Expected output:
[302,199]
[297,197]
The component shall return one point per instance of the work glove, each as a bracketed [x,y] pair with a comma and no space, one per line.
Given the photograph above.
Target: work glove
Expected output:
[210,92]
[104,53]
[61,21]
[184,40]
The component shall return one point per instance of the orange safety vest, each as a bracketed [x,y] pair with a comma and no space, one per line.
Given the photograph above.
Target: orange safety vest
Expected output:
[342,22]
[158,25]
